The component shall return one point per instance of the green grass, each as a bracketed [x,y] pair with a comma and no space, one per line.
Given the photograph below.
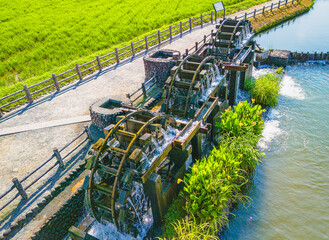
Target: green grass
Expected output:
[265,89]
[38,38]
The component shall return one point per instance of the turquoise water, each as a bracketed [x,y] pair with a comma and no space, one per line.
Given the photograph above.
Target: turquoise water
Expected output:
[290,192]
[307,33]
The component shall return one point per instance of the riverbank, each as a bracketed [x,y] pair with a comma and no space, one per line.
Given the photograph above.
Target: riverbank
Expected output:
[279,15]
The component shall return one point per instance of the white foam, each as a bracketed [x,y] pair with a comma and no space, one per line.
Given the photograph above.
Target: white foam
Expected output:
[271,131]
[256,73]
[107,231]
[289,88]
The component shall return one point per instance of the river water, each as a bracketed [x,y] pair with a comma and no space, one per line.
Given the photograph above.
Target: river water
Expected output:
[290,190]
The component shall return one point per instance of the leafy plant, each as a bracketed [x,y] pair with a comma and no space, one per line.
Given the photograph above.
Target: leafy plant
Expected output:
[279,70]
[244,148]
[243,119]
[211,185]
[189,229]
[265,90]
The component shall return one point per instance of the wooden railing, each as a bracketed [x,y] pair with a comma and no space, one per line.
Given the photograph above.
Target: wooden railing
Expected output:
[29,93]
[57,158]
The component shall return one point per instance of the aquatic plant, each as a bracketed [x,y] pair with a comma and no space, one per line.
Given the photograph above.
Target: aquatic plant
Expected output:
[265,89]
[242,119]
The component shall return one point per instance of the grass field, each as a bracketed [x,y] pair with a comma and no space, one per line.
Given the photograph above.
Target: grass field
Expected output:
[38,38]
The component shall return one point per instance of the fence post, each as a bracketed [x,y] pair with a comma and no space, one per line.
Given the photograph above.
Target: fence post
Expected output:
[190,21]
[264,10]
[286,2]
[56,82]
[117,55]
[170,33]
[78,71]
[146,43]
[201,18]
[279,4]
[132,49]
[255,13]
[204,38]
[211,34]
[186,52]
[89,135]
[20,188]
[159,37]
[196,46]
[236,18]
[245,15]
[212,17]
[28,94]
[58,157]
[271,7]
[144,90]
[99,63]
[181,28]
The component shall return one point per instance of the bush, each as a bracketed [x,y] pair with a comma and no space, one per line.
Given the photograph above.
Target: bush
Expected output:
[265,89]
[245,118]
[211,185]
[244,148]
[190,229]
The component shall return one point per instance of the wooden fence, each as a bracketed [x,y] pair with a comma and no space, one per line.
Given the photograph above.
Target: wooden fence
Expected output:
[57,158]
[29,93]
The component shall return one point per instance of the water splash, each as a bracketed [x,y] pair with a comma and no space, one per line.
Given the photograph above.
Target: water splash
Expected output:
[291,89]
[271,130]
[107,231]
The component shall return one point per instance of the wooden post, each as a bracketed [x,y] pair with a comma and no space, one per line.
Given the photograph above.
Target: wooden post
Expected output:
[159,37]
[89,135]
[56,82]
[190,21]
[201,19]
[211,34]
[186,52]
[144,90]
[255,13]
[264,10]
[279,4]
[286,2]
[271,7]
[77,67]
[212,17]
[181,28]
[196,46]
[146,43]
[99,63]
[245,15]
[117,55]
[133,49]
[233,88]
[170,32]
[204,38]
[153,189]
[196,147]
[236,18]
[58,157]
[20,188]
[28,94]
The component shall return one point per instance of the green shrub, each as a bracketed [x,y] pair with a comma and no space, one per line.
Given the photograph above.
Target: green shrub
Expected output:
[174,214]
[279,70]
[244,148]
[265,89]
[211,185]
[245,118]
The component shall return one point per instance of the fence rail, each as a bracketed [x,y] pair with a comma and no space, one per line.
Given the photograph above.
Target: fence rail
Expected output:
[59,160]
[29,93]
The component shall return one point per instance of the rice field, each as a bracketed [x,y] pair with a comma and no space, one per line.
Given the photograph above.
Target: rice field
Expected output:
[38,38]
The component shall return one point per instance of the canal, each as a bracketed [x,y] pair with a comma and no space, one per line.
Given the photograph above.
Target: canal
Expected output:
[290,189]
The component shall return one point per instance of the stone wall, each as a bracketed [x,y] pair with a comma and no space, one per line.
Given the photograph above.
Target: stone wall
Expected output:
[58,225]
[160,62]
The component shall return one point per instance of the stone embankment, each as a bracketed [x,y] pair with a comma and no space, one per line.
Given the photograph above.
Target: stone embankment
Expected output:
[282,58]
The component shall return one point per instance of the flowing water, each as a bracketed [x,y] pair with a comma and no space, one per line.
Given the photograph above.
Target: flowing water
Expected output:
[290,189]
